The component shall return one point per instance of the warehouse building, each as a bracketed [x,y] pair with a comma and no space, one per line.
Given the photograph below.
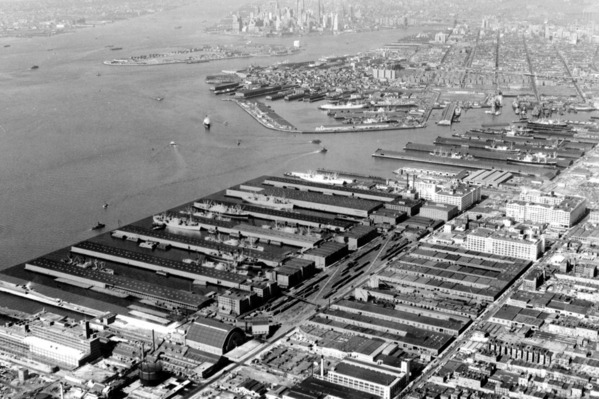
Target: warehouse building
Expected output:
[212,336]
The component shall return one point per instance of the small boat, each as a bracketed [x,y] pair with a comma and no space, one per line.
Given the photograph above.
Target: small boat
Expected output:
[207,122]
[98,226]
[323,150]
[34,67]
[315,141]
[105,205]
[158,98]
[173,144]
[7,45]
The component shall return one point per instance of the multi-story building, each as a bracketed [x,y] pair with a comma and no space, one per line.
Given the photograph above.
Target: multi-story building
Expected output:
[237,302]
[439,211]
[375,379]
[52,339]
[556,210]
[65,343]
[505,244]
[461,195]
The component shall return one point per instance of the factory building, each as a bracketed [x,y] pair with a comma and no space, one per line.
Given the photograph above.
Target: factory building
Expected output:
[556,210]
[504,244]
[438,211]
[461,195]
[376,379]
[52,339]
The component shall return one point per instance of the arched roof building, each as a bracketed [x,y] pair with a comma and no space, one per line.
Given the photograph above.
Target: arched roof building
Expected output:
[212,336]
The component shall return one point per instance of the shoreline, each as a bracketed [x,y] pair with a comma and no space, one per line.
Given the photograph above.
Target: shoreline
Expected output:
[294,130]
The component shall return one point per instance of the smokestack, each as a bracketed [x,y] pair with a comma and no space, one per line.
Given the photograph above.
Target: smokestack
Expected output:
[321,366]
[85,328]
[61,391]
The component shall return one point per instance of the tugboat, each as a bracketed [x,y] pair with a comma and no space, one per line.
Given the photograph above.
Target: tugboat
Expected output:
[98,226]
[207,122]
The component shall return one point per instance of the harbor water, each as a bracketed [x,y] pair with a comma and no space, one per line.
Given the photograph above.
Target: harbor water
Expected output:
[77,134]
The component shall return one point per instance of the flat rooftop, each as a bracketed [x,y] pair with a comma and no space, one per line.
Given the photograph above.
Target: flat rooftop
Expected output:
[120,282]
[271,180]
[162,262]
[364,373]
[344,202]
[200,242]
[291,216]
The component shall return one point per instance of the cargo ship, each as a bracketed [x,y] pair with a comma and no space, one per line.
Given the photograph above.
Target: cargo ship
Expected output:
[347,105]
[270,201]
[176,222]
[320,178]
[538,159]
[234,212]
[548,122]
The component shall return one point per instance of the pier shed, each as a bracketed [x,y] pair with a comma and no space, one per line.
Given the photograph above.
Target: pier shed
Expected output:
[303,185]
[327,254]
[357,237]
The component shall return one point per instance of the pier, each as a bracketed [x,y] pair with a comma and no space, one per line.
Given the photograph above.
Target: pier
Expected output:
[540,172]
[477,153]
[197,245]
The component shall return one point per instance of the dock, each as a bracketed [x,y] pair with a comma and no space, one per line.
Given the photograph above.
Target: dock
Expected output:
[540,172]
[478,153]
[198,245]
[139,289]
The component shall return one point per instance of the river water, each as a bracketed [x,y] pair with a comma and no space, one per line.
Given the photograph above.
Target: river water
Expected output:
[77,133]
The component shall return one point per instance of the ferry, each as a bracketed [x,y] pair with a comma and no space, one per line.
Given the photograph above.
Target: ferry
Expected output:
[320,178]
[234,212]
[270,201]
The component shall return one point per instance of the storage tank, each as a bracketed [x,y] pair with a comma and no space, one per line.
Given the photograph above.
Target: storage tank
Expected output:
[150,373]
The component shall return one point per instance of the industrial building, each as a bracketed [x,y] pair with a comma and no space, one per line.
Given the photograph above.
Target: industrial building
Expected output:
[461,195]
[327,254]
[505,244]
[52,339]
[555,210]
[357,237]
[376,379]
[212,336]
[439,211]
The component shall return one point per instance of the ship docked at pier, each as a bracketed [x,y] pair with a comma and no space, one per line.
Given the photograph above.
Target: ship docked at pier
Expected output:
[233,212]
[342,106]
[320,178]
[537,159]
[270,201]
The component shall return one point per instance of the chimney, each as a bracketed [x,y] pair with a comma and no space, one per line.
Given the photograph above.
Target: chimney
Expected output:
[153,342]
[61,391]
[85,328]
[321,366]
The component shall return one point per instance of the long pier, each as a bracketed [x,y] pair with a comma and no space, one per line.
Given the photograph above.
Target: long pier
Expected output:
[477,153]
[543,173]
